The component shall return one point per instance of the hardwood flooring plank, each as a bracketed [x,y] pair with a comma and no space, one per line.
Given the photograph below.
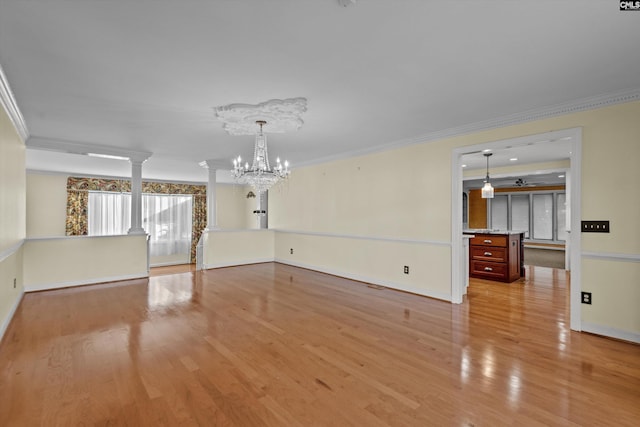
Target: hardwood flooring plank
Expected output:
[273,345]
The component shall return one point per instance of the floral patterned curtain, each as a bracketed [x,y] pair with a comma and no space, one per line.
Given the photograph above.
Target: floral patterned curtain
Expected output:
[78,200]
[199,220]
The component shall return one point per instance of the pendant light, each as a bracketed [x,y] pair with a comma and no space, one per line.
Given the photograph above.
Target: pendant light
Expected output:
[487,190]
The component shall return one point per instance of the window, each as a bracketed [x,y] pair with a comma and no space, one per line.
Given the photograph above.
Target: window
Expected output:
[561,211]
[520,213]
[540,215]
[500,213]
[543,216]
[108,213]
[167,218]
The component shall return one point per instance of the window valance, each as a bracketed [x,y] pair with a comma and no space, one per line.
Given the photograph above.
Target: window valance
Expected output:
[124,186]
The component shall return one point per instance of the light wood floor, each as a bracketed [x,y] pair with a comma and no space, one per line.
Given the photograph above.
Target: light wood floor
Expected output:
[172,269]
[275,345]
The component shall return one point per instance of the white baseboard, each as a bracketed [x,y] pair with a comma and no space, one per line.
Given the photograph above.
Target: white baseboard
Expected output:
[610,332]
[237,263]
[7,320]
[61,285]
[360,278]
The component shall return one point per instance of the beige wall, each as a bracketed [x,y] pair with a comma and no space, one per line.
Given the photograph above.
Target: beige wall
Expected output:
[233,209]
[46,205]
[609,282]
[12,184]
[350,200]
[353,197]
[226,248]
[412,200]
[80,260]
[12,217]
[368,260]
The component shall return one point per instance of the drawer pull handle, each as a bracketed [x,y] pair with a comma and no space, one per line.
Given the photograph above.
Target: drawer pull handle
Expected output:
[488,269]
[487,241]
[488,254]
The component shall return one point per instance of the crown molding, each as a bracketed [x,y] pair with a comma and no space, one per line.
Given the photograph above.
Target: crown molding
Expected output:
[577,106]
[8,101]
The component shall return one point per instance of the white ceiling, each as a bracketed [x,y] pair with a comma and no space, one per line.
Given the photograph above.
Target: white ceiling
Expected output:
[527,158]
[145,74]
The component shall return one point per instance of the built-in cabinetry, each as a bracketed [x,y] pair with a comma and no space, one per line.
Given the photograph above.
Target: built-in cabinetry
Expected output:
[496,256]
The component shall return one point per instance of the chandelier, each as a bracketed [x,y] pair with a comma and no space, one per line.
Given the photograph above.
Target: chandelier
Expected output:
[260,176]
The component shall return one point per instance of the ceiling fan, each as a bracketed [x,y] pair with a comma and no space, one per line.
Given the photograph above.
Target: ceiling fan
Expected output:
[521,182]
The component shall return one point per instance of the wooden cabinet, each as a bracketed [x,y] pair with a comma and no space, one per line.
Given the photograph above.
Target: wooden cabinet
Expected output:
[496,257]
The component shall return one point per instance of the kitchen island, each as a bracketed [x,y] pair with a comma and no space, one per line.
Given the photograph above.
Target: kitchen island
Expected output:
[496,255]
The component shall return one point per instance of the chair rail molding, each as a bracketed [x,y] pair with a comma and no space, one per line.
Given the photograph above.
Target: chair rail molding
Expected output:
[11,250]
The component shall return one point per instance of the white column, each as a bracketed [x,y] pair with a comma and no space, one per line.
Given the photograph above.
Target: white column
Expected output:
[213,166]
[136,195]
[262,206]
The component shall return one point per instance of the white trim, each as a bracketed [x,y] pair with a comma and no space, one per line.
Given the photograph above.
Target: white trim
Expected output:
[12,312]
[8,101]
[351,236]
[575,237]
[575,199]
[237,263]
[608,331]
[576,106]
[11,250]
[366,279]
[61,285]
[458,265]
[611,256]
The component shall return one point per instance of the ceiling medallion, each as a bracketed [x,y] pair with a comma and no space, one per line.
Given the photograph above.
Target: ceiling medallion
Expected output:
[280,115]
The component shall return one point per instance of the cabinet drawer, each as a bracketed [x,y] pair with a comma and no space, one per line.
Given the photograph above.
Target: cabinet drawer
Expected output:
[488,253]
[488,269]
[489,240]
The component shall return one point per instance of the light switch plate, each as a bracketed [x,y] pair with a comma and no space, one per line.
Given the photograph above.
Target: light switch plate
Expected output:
[595,226]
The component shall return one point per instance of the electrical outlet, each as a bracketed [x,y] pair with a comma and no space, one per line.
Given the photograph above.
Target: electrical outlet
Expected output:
[291,251]
[406,269]
[586,297]
[14,283]
[595,226]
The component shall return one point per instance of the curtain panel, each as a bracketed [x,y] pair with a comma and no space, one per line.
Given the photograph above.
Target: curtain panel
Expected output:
[78,202]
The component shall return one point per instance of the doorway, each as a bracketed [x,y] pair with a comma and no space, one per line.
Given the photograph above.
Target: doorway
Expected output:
[535,143]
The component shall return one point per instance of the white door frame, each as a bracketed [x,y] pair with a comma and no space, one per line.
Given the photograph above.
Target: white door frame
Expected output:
[457,251]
